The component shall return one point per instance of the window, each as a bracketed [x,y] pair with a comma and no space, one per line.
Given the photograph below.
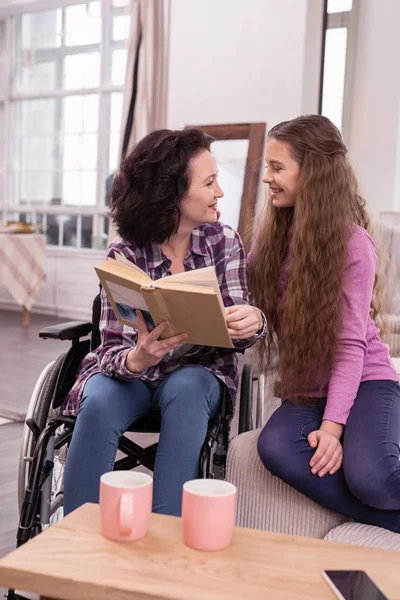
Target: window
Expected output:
[61,105]
[338,57]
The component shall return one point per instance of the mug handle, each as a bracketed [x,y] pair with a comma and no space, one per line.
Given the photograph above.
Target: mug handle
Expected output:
[126,513]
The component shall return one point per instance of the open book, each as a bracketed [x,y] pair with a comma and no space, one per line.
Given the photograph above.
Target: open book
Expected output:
[191,302]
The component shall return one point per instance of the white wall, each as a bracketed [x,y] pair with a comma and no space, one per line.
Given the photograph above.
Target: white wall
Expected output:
[375,133]
[233,61]
[238,62]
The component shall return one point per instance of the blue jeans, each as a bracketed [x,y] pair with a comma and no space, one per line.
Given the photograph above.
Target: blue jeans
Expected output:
[367,487]
[187,399]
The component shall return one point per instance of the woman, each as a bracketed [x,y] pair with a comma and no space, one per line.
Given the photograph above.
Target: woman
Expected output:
[335,438]
[165,207]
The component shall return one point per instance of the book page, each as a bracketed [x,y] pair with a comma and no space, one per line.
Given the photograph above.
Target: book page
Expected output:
[197,277]
[131,271]
[123,285]
[123,260]
[127,302]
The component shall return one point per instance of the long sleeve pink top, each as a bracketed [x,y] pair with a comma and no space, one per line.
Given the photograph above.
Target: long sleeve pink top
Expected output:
[361,355]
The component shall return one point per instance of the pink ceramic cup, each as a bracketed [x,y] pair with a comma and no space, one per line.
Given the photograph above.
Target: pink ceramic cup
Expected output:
[125,505]
[208,513]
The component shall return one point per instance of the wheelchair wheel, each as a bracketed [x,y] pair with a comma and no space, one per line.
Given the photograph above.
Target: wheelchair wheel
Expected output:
[40,411]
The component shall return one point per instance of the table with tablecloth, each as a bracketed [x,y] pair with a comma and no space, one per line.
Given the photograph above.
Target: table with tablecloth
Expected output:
[22,268]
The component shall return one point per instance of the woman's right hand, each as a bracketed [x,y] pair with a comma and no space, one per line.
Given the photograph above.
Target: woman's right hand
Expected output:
[150,350]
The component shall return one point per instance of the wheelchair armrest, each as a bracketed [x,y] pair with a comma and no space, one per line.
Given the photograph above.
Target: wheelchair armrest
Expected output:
[66,331]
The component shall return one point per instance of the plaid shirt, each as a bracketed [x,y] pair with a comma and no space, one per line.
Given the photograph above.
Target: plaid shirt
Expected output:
[217,245]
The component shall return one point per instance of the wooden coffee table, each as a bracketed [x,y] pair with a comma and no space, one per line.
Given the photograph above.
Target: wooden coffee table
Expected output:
[72,561]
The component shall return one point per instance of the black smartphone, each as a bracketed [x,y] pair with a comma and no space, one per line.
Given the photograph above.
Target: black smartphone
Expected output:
[353,585]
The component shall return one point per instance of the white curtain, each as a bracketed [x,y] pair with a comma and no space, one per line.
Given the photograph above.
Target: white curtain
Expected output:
[146,82]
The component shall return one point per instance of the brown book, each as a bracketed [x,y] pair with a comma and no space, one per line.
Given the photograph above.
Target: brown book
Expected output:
[191,302]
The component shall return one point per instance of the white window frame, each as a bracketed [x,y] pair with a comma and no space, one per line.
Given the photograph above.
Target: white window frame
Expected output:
[349,20]
[7,97]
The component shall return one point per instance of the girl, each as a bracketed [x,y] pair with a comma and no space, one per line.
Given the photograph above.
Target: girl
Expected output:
[335,438]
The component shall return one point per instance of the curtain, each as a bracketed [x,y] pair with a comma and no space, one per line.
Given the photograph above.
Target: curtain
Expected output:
[146,82]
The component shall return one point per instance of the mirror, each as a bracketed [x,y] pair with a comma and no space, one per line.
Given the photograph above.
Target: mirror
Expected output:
[238,150]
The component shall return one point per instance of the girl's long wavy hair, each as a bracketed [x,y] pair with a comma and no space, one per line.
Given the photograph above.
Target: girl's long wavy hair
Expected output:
[303,321]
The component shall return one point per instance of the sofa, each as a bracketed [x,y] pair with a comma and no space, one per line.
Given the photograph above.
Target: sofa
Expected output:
[387,238]
[265,502]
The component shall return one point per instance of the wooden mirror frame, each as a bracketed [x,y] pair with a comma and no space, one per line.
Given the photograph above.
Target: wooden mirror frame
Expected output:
[255,133]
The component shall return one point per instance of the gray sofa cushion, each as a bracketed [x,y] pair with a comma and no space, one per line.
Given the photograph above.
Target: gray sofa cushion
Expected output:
[358,534]
[266,502]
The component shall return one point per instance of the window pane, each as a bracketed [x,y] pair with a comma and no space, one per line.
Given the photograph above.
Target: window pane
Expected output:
[82,71]
[81,114]
[33,159]
[35,187]
[120,3]
[2,58]
[70,223]
[86,232]
[116,111]
[88,188]
[120,28]
[36,153]
[335,6]
[113,155]
[334,74]
[72,188]
[118,67]
[52,229]
[3,137]
[2,188]
[83,24]
[79,188]
[34,117]
[80,152]
[39,30]
[34,77]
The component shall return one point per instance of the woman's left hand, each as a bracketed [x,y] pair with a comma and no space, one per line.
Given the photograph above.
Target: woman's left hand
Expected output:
[243,321]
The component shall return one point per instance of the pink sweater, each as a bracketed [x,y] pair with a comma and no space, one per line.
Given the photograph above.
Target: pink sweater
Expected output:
[361,355]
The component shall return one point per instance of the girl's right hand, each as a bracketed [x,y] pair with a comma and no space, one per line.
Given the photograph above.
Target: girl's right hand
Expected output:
[150,350]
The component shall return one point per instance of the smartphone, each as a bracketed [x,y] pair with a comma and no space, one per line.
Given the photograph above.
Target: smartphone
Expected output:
[353,585]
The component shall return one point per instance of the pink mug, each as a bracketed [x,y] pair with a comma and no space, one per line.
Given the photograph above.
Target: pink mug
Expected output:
[208,513]
[125,505]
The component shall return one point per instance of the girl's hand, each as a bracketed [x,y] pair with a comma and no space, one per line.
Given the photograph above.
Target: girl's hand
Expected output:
[328,456]
[149,350]
[243,321]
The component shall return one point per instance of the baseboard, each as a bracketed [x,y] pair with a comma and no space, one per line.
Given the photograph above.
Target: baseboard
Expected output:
[63,312]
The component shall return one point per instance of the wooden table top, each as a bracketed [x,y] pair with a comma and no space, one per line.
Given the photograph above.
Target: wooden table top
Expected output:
[72,561]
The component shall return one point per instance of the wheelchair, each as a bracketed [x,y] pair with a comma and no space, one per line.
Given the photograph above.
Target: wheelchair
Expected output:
[47,433]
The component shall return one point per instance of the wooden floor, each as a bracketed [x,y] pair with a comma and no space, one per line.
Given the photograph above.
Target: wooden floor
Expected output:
[23,356]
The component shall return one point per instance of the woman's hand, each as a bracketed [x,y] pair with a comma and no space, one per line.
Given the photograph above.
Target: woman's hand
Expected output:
[243,321]
[328,456]
[149,350]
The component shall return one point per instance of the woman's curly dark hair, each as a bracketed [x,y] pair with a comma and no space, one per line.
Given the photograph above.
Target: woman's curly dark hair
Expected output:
[151,182]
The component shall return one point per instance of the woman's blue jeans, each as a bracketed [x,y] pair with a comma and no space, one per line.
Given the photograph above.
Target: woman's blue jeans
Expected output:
[187,399]
[367,487]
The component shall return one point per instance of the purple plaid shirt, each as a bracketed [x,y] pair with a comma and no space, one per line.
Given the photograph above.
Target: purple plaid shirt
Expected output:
[217,245]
